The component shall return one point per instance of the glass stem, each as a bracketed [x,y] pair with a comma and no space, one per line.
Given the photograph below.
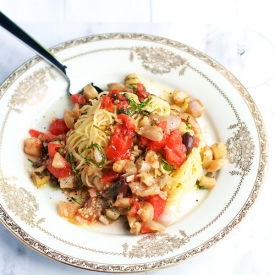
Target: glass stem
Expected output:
[241,31]
[240,42]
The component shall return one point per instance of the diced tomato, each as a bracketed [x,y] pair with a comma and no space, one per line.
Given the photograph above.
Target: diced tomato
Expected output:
[122,106]
[66,209]
[153,145]
[60,172]
[175,151]
[196,141]
[53,148]
[106,103]
[158,145]
[45,137]
[141,92]
[121,141]
[119,147]
[143,141]
[162,125]
[146,229]
[49,137]
[79,219]
[119,130]
[135,206]
[158,204]
[110,177]
[127,121]
[78,98]
[35,133]
[116,95]
[58,127]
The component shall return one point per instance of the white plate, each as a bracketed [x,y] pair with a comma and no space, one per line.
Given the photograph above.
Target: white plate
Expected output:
[36,92]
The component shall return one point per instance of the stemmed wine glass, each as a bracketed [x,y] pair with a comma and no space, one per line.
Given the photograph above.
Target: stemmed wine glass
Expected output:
[247,54]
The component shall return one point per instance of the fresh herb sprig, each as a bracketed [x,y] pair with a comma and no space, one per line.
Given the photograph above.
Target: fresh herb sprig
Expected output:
[34,164]
[74,199]
[90,160]
[166,165]
[71,161]
[137,107]
[200,186]
[188,124]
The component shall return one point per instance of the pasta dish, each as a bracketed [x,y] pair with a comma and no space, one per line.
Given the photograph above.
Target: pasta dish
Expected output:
[125,154]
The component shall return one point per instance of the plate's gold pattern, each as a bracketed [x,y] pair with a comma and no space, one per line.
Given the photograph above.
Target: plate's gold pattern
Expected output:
[21,202]
[30,88]
[158,61]
[240,149]
[152,245]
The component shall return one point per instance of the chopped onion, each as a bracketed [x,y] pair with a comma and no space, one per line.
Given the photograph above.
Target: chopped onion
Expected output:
[146,212]
[97,155]
[118,86]
[155,226]
[195,108]
[58,161]
[67,182]
[154,133]
[173,122]
[144,167]
[167,217]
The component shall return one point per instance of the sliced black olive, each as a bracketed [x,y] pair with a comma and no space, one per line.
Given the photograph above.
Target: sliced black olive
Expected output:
[188,141]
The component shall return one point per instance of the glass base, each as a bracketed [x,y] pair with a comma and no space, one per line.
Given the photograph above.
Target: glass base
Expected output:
[251,62]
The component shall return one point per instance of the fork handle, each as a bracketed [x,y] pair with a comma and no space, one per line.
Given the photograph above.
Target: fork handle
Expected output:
[10,26]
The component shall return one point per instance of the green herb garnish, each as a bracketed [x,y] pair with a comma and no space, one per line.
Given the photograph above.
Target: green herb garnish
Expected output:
[137,107]
[200,186]
[34,164]
[42,174]
[74,199]
[188,124]
[90,160]
[166,166]
[79,181]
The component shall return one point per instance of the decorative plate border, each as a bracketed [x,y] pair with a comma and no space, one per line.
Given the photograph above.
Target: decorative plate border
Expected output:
[146,55]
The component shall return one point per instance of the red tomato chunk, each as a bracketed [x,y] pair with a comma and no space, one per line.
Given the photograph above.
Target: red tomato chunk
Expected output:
[58,127]
[175,151]
[158,204]
[60,172]
[110,177]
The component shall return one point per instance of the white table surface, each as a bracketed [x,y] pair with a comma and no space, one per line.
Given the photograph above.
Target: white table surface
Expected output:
[249,248]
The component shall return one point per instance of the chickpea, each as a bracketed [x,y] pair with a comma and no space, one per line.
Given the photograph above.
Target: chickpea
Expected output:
[207,182]
[135,229]
[119,166]
[207,157]
[152,158]
[219,150]
[216,165]
[90,92]
[179,97]
[33,146]
[145,121]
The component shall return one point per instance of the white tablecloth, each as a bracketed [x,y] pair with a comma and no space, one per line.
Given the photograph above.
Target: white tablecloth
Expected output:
[249,248]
